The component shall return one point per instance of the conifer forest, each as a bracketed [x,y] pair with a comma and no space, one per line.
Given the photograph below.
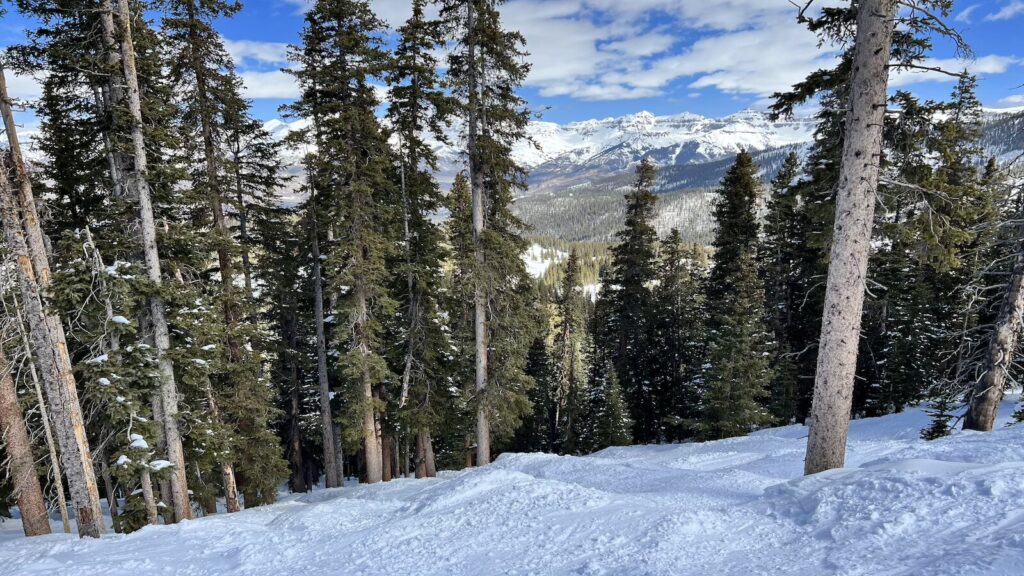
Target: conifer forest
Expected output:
[399,322]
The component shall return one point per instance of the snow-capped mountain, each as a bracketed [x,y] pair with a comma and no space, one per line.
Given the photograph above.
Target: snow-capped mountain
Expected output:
[579,171]
[613,144]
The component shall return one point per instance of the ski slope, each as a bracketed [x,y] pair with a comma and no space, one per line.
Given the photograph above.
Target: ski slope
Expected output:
[733,507]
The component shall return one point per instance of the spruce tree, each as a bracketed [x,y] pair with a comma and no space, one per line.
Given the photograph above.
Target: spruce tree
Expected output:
[740,343]
[486,67]
[630,302]
[677,335]
[570,348]
[353,177]
[779,269]
[418,109]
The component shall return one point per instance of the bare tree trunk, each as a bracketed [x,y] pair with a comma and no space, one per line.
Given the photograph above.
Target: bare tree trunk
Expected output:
[47,332]
[147,226]
[855,207]
[226,468]
[44,416]
[386,459]
[988,391]
[421,460]
[110,491]
[230,488]
[339,454]
[147,496]
[483,427]
[372,460]
[14,435]
[428,455]
[327,422]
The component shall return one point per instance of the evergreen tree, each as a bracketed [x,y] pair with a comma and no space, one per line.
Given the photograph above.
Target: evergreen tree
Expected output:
[570,356]
[630,301]
[740,345]
[678,335]
[779,269]
[353,178]
[486,67]
[418,108]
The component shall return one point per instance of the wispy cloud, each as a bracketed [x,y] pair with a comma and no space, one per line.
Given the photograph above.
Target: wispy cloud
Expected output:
[1011,10]
[965,14]
[991,64]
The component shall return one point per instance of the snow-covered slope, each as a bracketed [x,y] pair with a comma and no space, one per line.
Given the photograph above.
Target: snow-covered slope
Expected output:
[732,507]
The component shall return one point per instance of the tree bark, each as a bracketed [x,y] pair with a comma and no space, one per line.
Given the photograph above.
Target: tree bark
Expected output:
[983,404]
[855,206]
[147,225]
[326,420]
[386,447]
[483,427]
[14,435]
[44,417]
[110,491]
[26,248]
[147,496]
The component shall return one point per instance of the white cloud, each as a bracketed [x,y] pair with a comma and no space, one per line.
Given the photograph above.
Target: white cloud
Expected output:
[1015,100]
[254,51]
[991,64]
[270,84]
[23,87]
[1011,10]
[965,14]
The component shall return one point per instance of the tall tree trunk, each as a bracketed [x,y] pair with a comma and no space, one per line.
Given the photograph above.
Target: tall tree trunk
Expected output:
[386,447]
[147,497]
[227,470]
[27,249]
[147,226]
[324,387]
[988,391]
[111,492]
[429,464]
[483,427]
[339,454]
[44,417]
[855,207]
[372,457]
[14,436]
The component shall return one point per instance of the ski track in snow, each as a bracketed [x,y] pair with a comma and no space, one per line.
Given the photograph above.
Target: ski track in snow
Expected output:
[732,507]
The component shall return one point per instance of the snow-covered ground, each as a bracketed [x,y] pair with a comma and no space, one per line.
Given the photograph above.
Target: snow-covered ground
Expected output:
[733,507]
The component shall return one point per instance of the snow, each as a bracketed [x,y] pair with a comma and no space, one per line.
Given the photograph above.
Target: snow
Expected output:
[137,441]
[122,460]
[97,360]
[903,506]
[209,347]
[538,259]
[119,320]
[158,465]
[104,381]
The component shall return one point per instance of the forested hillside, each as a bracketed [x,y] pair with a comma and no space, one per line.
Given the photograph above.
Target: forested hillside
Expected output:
[204,312]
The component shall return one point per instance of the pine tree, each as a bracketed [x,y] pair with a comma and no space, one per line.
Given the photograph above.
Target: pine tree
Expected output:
[633,271]
[739,342]
[418,108]
[353,176]
[780,273]
[569,353]
[486,67]
[539,430]
[678,335]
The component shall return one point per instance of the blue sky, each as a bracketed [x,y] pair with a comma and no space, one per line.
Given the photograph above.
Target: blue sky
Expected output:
[599,58]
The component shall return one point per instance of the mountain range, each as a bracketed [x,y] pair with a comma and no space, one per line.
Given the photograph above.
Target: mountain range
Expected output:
[579,171]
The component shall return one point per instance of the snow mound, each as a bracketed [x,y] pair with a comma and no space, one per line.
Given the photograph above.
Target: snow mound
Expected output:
[732,507]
